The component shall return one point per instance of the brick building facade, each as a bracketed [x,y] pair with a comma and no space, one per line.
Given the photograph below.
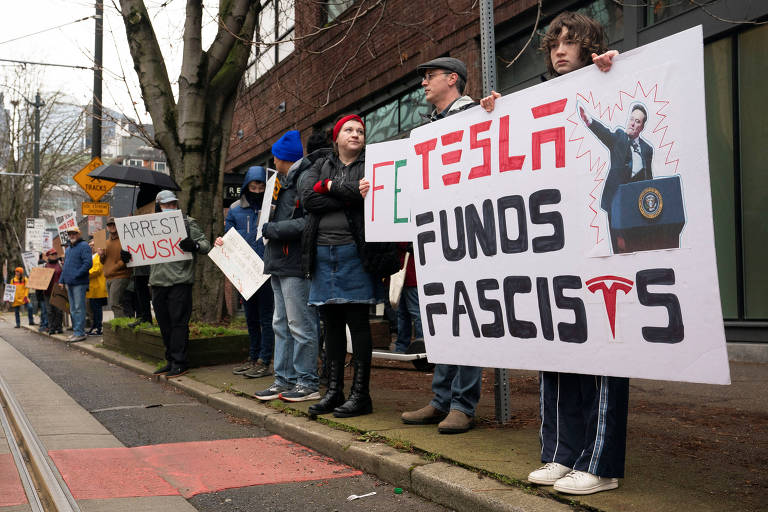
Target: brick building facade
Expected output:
[378,67]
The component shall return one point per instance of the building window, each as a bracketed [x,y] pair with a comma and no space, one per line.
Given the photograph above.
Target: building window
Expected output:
[335,8]
[660,10]
[395,117]
[160,166]
[134,163]
[528,68]
[274,41]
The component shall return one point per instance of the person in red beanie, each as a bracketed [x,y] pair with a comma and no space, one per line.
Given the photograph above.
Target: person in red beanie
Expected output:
[334,256]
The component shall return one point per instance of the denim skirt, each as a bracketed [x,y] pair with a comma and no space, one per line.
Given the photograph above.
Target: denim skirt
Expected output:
[339,278]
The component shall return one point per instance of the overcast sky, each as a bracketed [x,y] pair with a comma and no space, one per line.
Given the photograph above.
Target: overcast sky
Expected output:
[73,44]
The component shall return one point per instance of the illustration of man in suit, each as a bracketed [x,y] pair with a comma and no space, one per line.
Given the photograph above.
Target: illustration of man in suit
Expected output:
[630,159]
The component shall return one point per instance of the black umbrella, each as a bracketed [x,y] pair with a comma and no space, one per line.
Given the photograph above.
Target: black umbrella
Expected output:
[134,176]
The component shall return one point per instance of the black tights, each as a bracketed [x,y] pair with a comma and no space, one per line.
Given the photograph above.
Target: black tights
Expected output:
[336,318]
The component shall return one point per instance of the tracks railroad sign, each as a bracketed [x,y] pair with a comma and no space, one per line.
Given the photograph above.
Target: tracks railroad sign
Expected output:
[95,188]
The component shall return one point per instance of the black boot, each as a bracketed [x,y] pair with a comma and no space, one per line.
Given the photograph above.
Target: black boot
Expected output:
[359,402]
[335,394]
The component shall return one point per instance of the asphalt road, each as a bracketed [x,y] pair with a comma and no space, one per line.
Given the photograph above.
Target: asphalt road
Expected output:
[140,411]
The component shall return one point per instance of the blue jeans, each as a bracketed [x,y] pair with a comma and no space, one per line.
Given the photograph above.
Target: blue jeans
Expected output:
[17,310]
[296,341]
[258,316]
[456,387]
[76,293]
[407,312]
[43,313]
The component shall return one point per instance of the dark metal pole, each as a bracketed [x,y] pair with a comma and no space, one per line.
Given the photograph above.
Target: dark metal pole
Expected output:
[36,200]
[488,60]
[97,112]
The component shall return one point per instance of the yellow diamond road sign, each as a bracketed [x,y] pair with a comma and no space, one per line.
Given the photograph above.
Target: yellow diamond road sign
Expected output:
[95,188]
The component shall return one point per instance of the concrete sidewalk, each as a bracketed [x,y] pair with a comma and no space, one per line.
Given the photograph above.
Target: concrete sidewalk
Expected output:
[690,446]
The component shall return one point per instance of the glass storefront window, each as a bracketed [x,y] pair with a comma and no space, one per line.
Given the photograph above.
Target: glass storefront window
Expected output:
[718,80]
[382,123]
[412,105]
[753,132]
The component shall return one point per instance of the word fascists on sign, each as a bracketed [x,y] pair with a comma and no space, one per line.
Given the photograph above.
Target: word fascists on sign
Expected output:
[474,233]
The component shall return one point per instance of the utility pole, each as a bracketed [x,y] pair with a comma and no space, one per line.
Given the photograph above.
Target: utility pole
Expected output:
[97,65]
[488,60]
[36,187]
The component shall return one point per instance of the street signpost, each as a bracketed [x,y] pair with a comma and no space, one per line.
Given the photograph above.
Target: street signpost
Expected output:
[94,208]
[95,188]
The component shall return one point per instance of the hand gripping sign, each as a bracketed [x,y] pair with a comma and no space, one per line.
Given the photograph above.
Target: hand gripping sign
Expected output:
[153,238]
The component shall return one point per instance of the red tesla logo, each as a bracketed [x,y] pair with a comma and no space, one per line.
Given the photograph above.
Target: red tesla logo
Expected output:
[610,285]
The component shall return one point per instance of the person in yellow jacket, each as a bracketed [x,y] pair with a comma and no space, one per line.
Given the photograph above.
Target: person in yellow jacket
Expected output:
[97,291]
[21,299]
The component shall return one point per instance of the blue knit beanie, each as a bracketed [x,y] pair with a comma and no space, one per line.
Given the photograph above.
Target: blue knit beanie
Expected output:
[288,147]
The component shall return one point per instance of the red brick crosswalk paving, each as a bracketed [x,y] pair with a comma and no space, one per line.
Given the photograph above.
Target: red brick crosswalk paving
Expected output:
[185,469]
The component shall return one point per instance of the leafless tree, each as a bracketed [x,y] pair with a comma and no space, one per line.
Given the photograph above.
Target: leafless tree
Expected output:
[61,153]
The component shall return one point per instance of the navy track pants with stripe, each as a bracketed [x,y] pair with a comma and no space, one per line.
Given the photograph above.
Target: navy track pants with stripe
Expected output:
[584,422]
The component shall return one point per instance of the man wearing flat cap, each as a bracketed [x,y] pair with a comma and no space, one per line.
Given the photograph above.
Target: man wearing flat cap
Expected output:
[456,388]
[77,263]
[444,80]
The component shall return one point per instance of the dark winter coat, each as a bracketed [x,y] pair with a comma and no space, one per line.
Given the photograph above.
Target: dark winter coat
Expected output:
[77,263]
[379,259]
[284,231]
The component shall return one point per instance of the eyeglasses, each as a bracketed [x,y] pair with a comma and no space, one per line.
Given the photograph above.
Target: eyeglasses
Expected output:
[431,74]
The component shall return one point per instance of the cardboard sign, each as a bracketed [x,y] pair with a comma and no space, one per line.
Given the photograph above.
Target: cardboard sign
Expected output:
[64,221]
[387,205]
[153,238]
[9,294]
[570,229]
[60,299]
[59,248]
[40,278]
[30,260]
[100,239]
[240,263]
[33,236]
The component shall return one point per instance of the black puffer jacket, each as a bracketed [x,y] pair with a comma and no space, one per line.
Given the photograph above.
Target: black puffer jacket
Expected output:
[344,195]
[283,253]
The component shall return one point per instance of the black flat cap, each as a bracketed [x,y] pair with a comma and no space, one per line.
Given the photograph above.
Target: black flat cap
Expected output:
[449,63]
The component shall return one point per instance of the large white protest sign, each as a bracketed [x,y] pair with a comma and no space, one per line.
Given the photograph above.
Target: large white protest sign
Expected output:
[153,238]
[544,240]
[47,241]
[65,220]
[9,294]
[33,235]
[387,205]
[240,263]
[30,260]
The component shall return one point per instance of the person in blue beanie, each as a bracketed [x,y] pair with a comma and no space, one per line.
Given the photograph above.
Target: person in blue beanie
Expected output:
[244,215]
[294,322]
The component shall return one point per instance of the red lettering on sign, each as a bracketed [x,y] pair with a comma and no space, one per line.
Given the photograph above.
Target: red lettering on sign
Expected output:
[422,149]
[507,162]
[484,169]
[175,246]
[374,188]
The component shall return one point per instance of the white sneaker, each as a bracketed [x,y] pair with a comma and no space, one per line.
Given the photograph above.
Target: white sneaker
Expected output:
[548,474]
[581,482]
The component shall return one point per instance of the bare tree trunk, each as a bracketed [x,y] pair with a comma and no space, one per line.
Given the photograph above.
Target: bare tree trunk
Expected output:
[194,131]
